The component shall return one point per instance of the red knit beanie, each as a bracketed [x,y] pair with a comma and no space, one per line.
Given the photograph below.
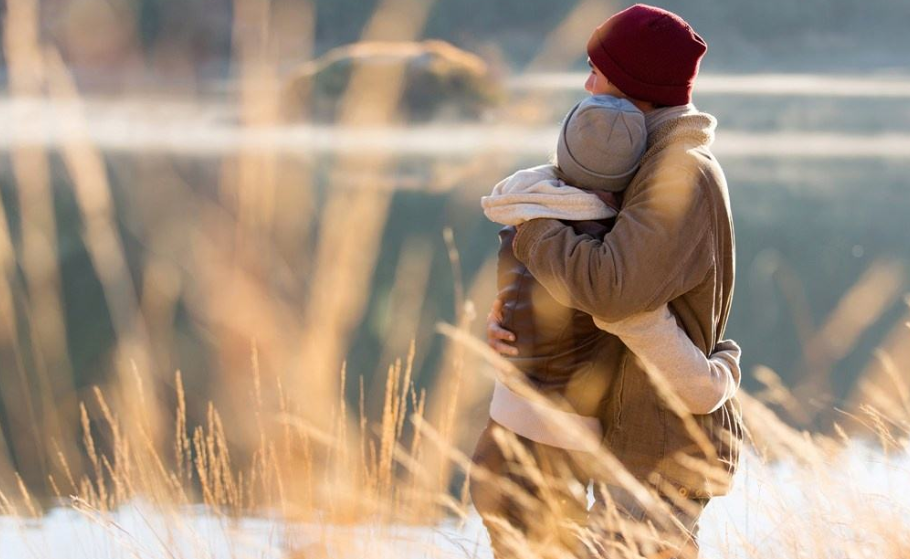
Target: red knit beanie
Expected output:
[650,54]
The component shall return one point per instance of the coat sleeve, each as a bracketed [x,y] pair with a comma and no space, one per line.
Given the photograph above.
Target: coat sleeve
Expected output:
[657,250]
[702,383]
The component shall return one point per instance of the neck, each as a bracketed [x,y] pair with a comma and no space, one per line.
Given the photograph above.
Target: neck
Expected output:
[643,106]
[611,89]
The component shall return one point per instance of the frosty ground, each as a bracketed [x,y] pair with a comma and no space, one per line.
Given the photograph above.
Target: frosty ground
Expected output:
[764,511]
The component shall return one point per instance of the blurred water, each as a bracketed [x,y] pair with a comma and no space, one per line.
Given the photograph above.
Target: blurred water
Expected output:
[874,86]
[778,119]
[817,166]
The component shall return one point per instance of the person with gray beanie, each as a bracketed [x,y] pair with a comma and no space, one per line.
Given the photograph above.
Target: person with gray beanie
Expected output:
[551,408]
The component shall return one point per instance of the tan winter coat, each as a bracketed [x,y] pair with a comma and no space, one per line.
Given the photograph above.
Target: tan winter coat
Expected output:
[672,243]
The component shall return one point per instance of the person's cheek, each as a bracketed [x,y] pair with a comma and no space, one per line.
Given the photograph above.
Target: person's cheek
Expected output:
[590,83]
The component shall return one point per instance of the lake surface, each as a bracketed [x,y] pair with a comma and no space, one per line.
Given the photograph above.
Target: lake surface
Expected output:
[818,169]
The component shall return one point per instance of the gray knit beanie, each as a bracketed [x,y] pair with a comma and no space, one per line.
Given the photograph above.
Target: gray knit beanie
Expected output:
[601,143]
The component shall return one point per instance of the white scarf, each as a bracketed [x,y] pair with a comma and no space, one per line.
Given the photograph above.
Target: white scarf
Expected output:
[539,193]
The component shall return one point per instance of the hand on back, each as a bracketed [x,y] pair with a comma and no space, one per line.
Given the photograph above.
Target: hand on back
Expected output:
[498,337]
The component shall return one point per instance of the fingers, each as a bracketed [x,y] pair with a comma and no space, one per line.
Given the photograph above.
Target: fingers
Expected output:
[504,349]
[501,339]
[496,310]
[497,336]
[495,332]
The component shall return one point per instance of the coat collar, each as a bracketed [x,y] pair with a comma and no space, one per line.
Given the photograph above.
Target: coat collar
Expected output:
[674,124]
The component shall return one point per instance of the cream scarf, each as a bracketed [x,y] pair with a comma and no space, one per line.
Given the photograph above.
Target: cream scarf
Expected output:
[539,193]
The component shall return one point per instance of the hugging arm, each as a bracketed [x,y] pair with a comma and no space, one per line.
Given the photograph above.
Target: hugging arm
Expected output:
[655,252]
[702,383]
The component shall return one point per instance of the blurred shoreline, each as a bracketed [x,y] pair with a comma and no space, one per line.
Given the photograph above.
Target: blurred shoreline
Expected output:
[211,124]
[873,85]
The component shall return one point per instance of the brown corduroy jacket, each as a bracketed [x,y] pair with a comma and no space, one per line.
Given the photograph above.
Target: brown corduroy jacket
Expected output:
[672,243]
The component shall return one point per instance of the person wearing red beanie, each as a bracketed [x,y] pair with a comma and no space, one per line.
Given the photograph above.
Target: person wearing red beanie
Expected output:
[672,243]
[649,54]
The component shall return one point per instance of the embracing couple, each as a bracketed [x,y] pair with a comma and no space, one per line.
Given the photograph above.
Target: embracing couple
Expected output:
[615,274]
